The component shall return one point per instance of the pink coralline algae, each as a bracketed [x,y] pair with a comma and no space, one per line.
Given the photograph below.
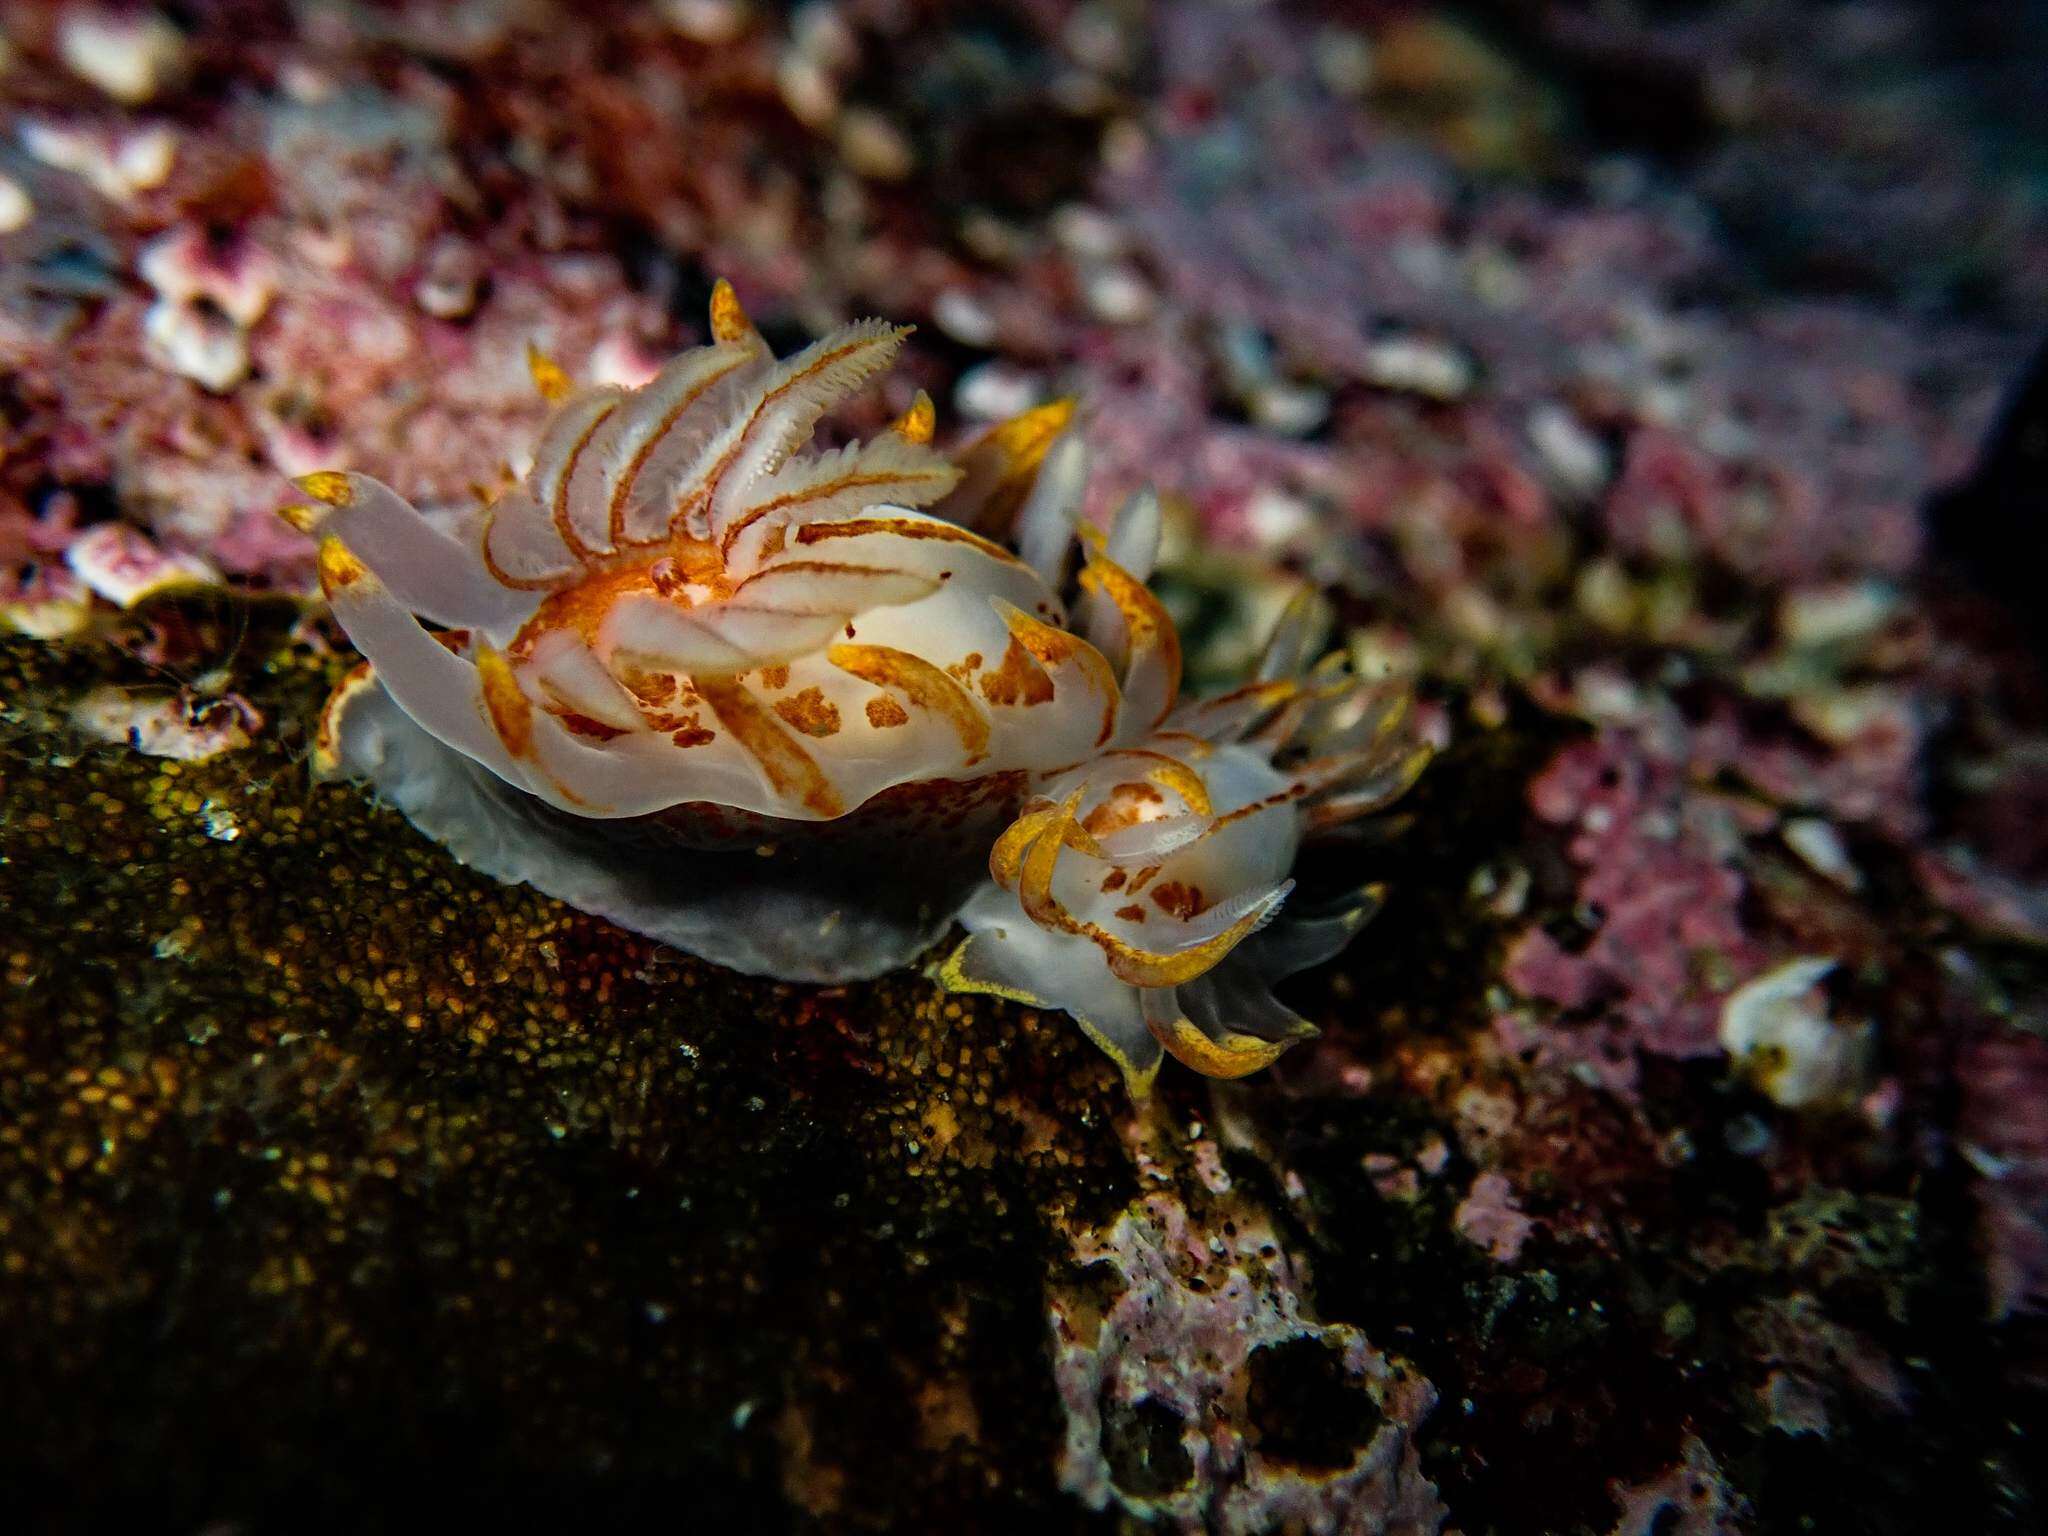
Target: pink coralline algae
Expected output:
[1488,1218]
[1692,1498]
[1186,1354]
[1661,892]
[1786,447]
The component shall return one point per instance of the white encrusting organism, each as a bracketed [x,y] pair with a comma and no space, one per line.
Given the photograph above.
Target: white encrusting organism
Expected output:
[744,698]
[1779,1033]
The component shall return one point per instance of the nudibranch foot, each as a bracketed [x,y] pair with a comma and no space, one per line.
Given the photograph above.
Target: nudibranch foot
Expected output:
[763,897]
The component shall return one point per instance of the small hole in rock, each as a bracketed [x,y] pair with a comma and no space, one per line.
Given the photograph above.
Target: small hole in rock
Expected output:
[1304,1409]
[1141,1442]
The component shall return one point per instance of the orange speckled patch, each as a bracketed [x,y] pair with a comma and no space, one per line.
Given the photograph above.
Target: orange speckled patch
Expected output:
[650,688]
[1124,806]
[790,769]
[1143,878]
[1177,900]
[776,676]
[583,725]
[692,734]
[582,606]
[809,711]
[1131,914]
[964,669]
[884,713]
[922,684]
[1018,680]
[1113,881]
[1128,962]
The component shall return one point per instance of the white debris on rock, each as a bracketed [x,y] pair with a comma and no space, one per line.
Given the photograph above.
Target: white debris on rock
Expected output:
[16,207]
[1778,1034]
[208,299]
[133,56]
[118,164]
[125,566]
[187,726]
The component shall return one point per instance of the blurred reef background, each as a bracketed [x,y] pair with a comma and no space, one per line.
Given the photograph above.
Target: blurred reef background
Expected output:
[1659,387]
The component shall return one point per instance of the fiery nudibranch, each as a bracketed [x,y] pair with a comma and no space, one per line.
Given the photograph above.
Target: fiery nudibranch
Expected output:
[746,699]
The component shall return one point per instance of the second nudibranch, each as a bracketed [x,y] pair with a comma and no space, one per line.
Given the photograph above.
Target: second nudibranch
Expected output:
[1149,891]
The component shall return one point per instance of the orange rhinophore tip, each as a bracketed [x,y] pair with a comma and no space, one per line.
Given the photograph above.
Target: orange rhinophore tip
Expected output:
[729,321]
[999,468]
[1024,438]
[338,568]
[917,424]
[328,485]
[549,377]
[301,516]
[511,714]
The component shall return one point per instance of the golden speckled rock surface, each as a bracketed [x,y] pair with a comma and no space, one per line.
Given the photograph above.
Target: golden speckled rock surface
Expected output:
[308,1136]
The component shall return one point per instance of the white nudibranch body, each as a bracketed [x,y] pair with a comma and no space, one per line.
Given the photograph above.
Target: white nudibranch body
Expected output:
[748,700]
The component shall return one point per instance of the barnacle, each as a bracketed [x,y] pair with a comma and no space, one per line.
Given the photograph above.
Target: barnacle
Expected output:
[737,696]
[1147,891]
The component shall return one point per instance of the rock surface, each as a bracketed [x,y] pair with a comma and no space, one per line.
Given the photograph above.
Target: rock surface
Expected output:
[341,1188]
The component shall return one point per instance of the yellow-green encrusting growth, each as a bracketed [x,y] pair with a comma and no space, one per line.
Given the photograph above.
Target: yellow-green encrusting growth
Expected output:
[310,1119]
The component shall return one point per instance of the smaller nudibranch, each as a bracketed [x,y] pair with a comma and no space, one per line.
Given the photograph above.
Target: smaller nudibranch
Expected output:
[1146,892]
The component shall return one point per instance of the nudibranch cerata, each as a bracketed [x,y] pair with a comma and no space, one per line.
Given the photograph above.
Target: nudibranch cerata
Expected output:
[746,699]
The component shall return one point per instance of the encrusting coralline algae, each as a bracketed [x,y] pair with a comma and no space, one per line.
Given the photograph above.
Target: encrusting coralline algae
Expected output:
[748,700]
